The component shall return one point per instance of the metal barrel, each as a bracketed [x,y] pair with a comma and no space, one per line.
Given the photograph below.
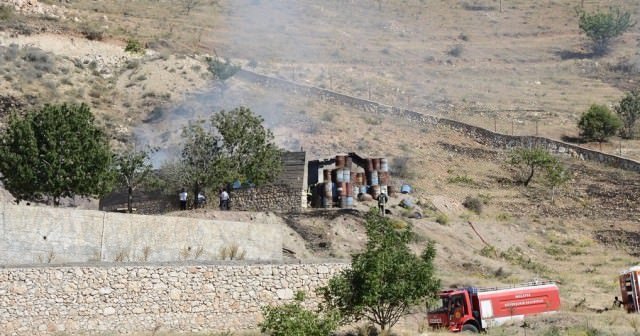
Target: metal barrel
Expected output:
[340,161]
[326,174]
[391,189]
[355,190]
[384,165]
[342,189]
[349,189]
[343,202]
[346,173]
[360,178]
[349,201]
[339,175]
[348,162]
[375,191]
[369,165]
[376,164]
[363,189]
[326,202]
[328,190]
[384,177]
[384,189]
[353,177]
[373,179]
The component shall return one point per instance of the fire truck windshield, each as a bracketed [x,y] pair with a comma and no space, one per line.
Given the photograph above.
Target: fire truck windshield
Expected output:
[442,304]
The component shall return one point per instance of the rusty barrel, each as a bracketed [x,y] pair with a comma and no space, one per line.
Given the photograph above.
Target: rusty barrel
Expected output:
[342,189]
[369,165]
[349,188]
[372,178]
[353,177]
[340,161]
[384,177]
[328,190]
[392,190]
[375,191]
[348,162]
[384,165]
[376,164]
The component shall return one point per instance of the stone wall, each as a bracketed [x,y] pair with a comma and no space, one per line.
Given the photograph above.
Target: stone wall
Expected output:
[279,198]
[127,299]
[481,134]
[32,234]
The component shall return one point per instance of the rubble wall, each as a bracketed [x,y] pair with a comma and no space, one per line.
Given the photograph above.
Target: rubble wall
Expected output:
[279,198]
[482,135]
[33,234]
[127,299]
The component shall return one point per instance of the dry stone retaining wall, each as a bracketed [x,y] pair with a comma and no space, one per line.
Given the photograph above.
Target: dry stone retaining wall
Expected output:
[128,299]
[279,198]
[481,134]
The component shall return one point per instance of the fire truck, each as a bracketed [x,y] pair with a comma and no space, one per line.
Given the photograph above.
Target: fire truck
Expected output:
[630,289]
[476,309]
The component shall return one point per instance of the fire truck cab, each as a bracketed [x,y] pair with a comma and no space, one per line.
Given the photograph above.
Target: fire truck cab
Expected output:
[476,309]
[630,289]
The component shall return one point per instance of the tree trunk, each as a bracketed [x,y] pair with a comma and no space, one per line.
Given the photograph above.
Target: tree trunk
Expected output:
[526,182]
[130,200]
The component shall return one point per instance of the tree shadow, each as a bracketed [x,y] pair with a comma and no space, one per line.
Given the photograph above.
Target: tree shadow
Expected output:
[573,139]
[570,54]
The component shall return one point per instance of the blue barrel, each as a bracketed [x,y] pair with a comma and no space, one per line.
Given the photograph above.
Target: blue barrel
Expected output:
[384,165]
[349,201]
[339,175]
[405,189]
[374,178]
[346,175]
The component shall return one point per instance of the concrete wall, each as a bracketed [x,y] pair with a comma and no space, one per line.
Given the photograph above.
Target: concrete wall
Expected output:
[50,235]
[125,299]
[483,135]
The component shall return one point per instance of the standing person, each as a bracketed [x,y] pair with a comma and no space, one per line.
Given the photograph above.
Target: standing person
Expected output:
[224,200]
[201,199]
[183,199]
[382,201]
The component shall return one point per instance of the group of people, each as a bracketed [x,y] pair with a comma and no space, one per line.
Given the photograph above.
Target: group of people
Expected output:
[201,199]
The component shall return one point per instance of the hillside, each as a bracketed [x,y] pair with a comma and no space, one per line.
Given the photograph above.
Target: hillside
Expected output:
[465,60]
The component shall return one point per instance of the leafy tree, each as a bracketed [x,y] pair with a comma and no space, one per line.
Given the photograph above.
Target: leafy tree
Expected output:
[249,151]
[598,123]
[556,176]
[628,110]
[528,160]
[222,69]
[55,152]
[133,169]
[602,27]
[386,279]
[294,320]
[235,146]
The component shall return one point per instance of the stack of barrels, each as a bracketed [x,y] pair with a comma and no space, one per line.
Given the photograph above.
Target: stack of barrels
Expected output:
[344,182]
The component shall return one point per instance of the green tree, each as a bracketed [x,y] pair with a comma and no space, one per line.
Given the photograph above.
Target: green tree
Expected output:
[133,169]
[628,110]
[292,319]
[556,176]
[528,160]
[598,123]
[386,279]
[249,151]
[55,152]
[602,27]
[222,69]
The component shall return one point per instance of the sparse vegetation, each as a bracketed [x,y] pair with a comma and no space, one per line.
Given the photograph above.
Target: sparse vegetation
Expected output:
[628,110]
[528,160]
[293,319]
[473,203]
[461,179]
[442,218]
[134,46]
[222,69]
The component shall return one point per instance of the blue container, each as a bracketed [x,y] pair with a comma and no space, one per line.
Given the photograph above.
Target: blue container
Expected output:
[374,178]
[349,201]
[363,189]
[346,175]
[405,189]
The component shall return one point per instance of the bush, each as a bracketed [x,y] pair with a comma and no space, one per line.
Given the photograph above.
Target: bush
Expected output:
[6,12]
[473,203]
[460,179]
[603,27]
[598,123]
[442,218]
[222,69]
[134,46]
[293,319]
[455,51]
[92,33]
[628,110]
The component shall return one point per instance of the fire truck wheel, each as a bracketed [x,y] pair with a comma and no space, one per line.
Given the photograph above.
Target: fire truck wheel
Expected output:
[469,328]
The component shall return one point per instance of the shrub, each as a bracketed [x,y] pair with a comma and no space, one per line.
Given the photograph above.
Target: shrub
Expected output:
[628,110]
[460,179]
[455,51]
[598,123]
[134,46]
[442,218]
[92,33]
[222,69]
[293,319]
[6,12]
[473,203]
[489,251]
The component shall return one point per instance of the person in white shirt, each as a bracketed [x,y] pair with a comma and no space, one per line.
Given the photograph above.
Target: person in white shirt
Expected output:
[224,200]
[183,199]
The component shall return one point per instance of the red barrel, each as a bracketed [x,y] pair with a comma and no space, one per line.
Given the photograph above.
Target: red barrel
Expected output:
[342,189]
[376,164]
[369,166]
[375,191]
[384,177]
[340,161]
[392,190]
[349,189]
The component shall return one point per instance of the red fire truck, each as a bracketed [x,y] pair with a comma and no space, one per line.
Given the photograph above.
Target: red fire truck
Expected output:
[630,289]
[476,309]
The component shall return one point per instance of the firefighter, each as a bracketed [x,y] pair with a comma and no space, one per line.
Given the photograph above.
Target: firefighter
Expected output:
[616,303]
